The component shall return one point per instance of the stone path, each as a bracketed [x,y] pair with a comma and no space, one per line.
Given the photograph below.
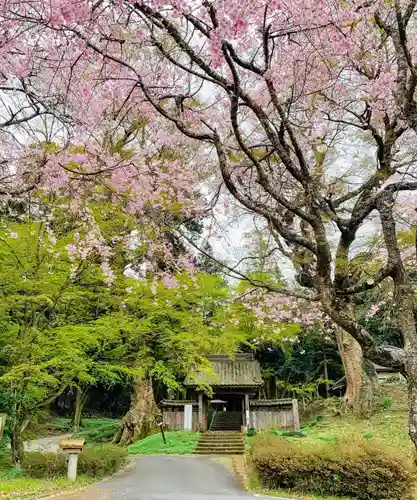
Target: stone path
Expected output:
[167,478]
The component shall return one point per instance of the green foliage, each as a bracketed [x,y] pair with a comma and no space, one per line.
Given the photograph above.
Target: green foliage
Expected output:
[63,329]
[44,465]
[354,469]
[95,461]
[178,443]
[160,325]
[103,460]
[60,425]
[44,297]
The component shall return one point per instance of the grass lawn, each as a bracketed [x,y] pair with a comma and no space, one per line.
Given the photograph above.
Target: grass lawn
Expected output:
[24,487]
[98,430]
[178,443]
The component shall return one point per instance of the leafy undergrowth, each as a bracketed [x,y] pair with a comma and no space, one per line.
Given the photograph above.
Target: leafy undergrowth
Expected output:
[178,443]
[26,487]
[55,427]
[98,430]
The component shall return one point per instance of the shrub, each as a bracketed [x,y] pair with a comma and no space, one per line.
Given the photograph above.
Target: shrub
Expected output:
[355,469]
[103,460]
[97,461]
[44,465]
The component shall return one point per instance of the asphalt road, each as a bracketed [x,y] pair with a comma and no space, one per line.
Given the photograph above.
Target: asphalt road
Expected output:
[170,478]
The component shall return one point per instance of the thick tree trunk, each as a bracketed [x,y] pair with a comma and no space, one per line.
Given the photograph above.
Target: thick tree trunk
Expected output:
[140,419]
[352,359]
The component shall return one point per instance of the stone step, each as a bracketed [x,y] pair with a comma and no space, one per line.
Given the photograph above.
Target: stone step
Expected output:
[220,443]
[225,427]
[223,452]
[222,433]
[212,439]
[220,448]
[226,424]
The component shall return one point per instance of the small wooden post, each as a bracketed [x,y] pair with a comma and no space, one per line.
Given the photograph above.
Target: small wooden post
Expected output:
[163,433]
[200,410]
[295,415]
[159,419]
[247,411]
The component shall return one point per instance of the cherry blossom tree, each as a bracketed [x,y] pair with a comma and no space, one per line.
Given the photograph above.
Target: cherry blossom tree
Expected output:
[303,111]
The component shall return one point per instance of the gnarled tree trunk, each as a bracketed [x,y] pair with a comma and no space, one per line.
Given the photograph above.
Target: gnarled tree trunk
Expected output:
[140,418]
[412,398]
[358,395]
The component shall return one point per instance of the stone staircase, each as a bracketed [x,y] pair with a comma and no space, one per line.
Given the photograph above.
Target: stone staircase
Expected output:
[227,421]
[224,437]
[220,443]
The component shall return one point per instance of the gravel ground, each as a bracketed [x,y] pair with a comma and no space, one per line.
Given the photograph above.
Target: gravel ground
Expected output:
[47,444]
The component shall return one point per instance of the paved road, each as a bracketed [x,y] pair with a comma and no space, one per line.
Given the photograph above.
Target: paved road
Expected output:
[168,478]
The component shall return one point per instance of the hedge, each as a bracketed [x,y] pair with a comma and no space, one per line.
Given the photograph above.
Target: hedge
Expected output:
[95,461]
[99,461]
[356,469]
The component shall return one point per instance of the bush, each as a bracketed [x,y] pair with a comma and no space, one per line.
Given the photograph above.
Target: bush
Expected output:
[103,460]
[44,465]
[355,469]
[97,461]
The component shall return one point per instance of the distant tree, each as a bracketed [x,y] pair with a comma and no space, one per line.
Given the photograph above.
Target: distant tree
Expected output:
[174,323]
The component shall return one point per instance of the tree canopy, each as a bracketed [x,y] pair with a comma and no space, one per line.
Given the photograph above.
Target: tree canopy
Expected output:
[304,113]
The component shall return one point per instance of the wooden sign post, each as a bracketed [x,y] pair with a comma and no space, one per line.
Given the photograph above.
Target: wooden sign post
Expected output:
[73,447]
[160,423]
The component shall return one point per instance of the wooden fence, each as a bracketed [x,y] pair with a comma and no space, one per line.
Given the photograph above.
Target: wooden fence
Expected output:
[173,417]
[282,413]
